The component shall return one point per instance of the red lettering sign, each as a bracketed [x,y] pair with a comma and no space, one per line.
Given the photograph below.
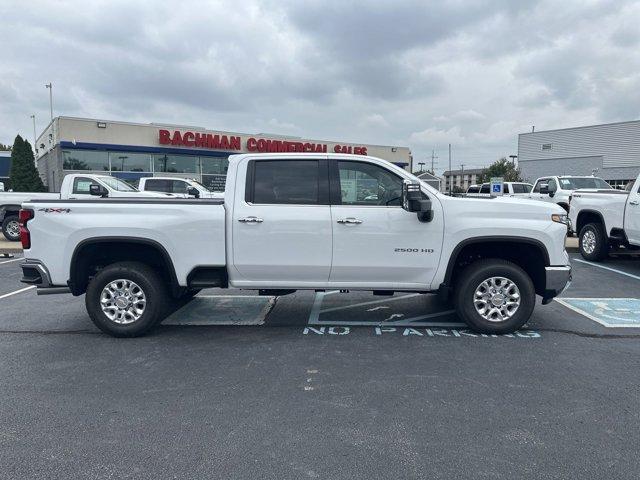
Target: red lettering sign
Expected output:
[225,142]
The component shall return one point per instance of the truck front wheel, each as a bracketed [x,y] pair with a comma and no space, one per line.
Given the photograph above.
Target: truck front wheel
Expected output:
[11,228]
[594,245]
[126,299]
[494,296]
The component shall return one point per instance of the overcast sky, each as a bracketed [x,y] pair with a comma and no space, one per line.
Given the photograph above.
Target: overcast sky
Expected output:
[411,73]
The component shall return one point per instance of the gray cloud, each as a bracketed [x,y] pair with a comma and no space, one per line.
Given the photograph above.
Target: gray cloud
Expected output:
[418,73]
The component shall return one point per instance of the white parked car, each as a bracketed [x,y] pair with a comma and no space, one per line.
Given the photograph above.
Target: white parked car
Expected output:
[606,219]
[512,189]
[75,186]
[295,222]
[558,189]
[181,187]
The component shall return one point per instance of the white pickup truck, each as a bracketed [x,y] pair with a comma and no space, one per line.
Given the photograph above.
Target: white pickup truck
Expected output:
[180,187]
[606,219]
[299,222]
[74,186]
[558,189]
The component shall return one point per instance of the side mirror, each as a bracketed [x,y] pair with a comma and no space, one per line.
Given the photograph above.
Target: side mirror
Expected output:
[544,189]
[98,190]
[413,201]
[193,191]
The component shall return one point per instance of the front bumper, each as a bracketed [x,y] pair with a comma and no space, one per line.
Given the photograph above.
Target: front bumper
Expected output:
[557,279]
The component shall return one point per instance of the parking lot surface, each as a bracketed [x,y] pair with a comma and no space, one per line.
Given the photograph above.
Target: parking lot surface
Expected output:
[326,385]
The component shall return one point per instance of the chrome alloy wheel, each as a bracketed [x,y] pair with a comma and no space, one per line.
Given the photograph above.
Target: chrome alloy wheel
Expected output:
[496,299]
[589,242]
[123,301]
[13,229]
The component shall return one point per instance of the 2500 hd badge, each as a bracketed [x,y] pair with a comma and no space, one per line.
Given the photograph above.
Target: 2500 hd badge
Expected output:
[414,250]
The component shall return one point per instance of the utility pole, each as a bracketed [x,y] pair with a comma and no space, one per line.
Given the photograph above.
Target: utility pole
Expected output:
[462,177]
[450,173]
[50,87]
[35,147]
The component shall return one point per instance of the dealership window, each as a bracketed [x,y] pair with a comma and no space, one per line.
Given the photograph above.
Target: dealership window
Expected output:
[285,182]
[130,162]
[175,163]
[85,160]
[367,184]
[214,165]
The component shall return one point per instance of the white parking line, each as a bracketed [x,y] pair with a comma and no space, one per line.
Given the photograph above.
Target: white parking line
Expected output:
[16,292]
[14,260]
[607,268]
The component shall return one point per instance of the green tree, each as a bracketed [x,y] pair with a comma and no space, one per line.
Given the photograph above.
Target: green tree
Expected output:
[501,168]
[23,176]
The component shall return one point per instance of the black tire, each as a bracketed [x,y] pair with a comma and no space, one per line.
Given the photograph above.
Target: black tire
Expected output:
[9,231]
[593,242]
[153,287]
[471,279]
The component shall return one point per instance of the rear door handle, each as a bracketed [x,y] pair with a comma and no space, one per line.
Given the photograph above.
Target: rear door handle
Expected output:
[633,202]
[250,220]
[350,221]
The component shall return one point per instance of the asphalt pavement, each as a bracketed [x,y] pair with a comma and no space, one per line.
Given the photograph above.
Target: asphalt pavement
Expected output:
[326,385]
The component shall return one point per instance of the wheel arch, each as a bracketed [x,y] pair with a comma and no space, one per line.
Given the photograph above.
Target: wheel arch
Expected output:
[92,254]
[528,253]
[589,216]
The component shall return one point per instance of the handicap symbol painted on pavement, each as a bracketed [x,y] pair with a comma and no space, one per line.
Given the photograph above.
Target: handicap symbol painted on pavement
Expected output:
[610,312]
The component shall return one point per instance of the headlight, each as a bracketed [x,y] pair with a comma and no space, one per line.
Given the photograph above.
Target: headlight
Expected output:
[560,218]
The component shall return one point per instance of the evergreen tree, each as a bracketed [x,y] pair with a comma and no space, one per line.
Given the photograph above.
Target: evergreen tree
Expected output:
[23,176]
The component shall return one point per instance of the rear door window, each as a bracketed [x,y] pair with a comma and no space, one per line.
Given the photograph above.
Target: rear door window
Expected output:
[485,188]
[158,186]
[292,182]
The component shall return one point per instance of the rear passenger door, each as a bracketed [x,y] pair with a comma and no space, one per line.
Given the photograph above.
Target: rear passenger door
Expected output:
[281,223]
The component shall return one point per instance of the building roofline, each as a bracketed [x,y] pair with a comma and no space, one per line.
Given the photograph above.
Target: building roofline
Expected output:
[195,127]
[580,127]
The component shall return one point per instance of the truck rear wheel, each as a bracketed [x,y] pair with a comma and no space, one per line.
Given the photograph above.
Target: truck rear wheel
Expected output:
[593,242]
[11,228]
[126,299]
[494,296]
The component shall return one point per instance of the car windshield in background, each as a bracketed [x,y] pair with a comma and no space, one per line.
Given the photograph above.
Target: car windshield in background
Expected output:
[583,182]
[118,184]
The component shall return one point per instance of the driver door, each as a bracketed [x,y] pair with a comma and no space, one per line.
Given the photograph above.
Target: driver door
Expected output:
[376,243]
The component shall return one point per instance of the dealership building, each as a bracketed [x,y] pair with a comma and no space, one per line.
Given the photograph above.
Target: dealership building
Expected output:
[134,150]
[610,151]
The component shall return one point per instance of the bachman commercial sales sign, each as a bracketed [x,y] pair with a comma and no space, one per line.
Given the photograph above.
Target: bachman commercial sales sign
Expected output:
[214,141]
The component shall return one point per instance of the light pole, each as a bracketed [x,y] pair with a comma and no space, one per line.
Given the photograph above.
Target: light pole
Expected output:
[421,166]
[50,87]
[35,146]
[513,159]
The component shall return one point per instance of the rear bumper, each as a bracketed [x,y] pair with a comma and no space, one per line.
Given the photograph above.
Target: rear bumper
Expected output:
[557,279]
[35,273]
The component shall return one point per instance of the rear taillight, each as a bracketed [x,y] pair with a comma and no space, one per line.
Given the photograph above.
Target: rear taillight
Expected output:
[25,237]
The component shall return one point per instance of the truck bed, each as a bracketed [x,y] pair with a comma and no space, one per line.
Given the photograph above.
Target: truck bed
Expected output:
[192,232]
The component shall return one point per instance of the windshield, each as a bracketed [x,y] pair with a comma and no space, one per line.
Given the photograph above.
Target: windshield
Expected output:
[118,185]
[574,183]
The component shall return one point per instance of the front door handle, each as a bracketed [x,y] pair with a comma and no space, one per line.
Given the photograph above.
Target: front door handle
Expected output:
[350,221]
[633,202]
[250,220]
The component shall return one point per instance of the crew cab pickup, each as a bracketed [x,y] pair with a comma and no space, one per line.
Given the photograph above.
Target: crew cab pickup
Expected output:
[291,222]
[180,187]
[74,186]
[558,189]
[606,220]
